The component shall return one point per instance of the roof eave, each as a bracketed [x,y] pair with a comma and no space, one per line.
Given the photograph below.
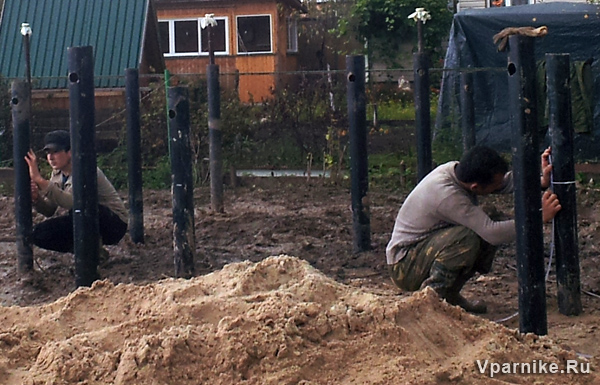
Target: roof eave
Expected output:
[296,4]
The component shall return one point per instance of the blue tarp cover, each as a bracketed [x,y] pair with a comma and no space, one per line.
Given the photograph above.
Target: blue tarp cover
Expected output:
[572,28]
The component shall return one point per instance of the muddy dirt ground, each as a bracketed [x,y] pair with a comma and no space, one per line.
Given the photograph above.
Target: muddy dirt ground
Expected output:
[311,220]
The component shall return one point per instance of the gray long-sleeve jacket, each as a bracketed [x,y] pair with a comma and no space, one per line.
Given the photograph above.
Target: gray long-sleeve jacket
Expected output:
[439,201]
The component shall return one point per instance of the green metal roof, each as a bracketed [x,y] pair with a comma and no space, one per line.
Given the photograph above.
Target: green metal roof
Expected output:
[114,28]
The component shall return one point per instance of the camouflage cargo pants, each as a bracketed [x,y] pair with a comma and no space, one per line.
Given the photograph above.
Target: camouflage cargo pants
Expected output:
[458,249]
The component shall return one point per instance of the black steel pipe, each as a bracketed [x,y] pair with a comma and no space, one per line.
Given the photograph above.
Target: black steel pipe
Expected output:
[467,110]
[182,186]
[359,167]
[211,51]
[420,36]
[422,114]
[215,138]
[27,49]
[21,113]
[134,156]
[563,183]
[84,175]
[526,170]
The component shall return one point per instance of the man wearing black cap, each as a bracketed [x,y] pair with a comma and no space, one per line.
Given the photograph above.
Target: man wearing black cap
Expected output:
[48,195]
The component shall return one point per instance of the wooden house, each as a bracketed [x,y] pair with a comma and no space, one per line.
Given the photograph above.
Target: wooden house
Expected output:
[254,41]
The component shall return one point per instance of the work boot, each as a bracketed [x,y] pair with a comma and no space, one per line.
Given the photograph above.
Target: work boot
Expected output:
[448,284]
[476,307]
[454,297]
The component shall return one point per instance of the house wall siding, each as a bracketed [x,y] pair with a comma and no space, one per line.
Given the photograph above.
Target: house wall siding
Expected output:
[252,81]
[51,111]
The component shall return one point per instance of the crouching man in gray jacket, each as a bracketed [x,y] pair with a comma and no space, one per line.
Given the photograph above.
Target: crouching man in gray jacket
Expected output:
[442,237]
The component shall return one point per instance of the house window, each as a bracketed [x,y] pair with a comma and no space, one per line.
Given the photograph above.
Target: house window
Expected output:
[292,24]
[254,34]
[219,37]
[186,38]
[163,31]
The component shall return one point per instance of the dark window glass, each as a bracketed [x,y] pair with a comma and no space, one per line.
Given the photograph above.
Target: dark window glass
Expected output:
[218,37]
[186,36]
[254,34]
[292,35]
[163,31]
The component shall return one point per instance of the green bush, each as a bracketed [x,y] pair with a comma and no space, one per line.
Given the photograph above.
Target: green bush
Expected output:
[302,123]
[159,176]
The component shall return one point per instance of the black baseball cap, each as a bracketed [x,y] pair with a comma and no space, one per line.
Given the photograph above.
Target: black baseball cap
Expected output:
[59,140]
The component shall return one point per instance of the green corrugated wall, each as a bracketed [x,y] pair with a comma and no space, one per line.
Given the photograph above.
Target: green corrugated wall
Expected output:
[113,27]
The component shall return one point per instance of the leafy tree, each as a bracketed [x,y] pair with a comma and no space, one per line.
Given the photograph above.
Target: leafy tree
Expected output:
[384,24]
[318,41]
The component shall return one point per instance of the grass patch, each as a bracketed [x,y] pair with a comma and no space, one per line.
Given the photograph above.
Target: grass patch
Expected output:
[392,170]
[399,109]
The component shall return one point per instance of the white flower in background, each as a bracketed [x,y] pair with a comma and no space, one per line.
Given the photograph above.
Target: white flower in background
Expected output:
[25,29]
[209,19]
[420,14]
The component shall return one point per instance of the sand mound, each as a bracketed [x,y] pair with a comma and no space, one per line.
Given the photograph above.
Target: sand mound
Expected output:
[278,321]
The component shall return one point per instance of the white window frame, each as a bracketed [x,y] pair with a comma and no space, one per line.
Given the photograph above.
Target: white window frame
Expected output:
[172,52]
[238,35]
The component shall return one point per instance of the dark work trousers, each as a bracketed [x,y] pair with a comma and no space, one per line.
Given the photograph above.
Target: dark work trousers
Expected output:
[57,233]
